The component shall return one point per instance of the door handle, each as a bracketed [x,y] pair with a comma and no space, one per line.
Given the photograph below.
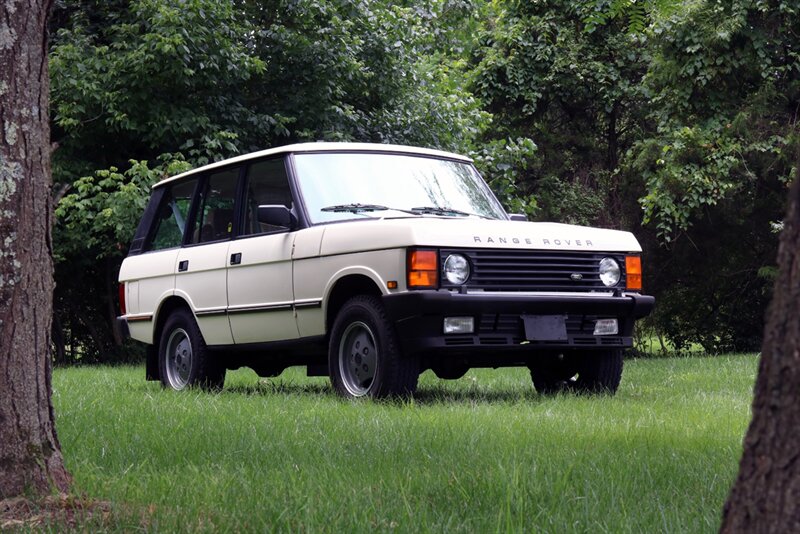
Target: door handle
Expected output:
[236,259]
[183,266]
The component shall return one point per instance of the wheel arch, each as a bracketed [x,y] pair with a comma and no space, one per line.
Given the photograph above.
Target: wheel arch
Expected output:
[166,307]
[345,288]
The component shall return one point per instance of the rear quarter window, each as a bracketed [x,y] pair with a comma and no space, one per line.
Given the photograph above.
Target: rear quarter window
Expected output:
[172,215]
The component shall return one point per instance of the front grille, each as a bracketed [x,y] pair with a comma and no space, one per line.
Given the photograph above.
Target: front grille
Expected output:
[535,270]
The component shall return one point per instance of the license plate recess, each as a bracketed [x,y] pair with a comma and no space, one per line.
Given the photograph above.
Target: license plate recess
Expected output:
[545,327]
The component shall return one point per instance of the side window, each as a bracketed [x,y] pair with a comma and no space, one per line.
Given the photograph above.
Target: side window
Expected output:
[214,220]
[267,183]
[171,218]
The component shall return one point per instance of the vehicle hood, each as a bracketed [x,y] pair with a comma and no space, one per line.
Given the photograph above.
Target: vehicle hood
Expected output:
[459,232]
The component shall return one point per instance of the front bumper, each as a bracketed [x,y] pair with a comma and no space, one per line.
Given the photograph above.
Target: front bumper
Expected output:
[499,324]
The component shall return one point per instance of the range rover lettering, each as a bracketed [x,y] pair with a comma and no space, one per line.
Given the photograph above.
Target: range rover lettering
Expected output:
[371,264]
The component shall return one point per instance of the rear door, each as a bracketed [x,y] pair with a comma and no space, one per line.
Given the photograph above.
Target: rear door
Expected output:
[201,268]
[260,296]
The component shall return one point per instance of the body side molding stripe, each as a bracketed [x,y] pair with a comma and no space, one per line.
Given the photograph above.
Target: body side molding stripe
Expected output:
[205,313]
[308,304]
[254,309]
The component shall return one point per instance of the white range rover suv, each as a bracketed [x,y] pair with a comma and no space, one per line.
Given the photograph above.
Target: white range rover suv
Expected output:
[370,264]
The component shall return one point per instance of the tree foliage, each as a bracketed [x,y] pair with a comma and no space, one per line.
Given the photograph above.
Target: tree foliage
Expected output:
[150,77]
[105,208]
[725,86]
[139,81]
[670,119]
[577,94]
[725,90]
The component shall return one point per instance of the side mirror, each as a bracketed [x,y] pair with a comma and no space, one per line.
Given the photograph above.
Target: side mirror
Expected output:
[277,215]
[517,217]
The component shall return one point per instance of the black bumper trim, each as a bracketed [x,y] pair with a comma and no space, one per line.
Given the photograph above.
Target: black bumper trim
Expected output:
[402,306]
[418,316]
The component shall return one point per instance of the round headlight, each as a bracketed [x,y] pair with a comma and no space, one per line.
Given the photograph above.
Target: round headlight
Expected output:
[456,269]
[609,272]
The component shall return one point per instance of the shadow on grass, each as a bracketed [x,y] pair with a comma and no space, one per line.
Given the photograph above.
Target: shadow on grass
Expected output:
[437,395]
[427,395]
[280,387]
[451,392]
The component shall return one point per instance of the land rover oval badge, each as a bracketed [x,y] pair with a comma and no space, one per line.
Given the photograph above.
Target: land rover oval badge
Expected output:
[576,277]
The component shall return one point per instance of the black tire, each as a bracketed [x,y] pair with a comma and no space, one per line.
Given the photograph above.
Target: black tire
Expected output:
[364,356]
[588,372]
[184,360]
[553,374]
[599,372]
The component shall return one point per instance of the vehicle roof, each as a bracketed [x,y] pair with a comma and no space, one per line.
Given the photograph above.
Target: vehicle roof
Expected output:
[321,147]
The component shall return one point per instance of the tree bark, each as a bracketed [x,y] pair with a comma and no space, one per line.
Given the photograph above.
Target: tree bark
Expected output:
[766,495]
[30,455]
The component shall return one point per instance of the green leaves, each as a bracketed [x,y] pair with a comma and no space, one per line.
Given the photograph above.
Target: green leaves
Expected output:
[147,78]
[722,83]
[635,13]
[697,168]
[101,212]
[577,94]
[503,163]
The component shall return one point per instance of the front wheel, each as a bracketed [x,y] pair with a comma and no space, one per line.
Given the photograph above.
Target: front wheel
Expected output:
[364,356]
[183,358]
[600,372]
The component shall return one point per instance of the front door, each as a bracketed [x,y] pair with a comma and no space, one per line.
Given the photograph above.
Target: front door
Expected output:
[260,295]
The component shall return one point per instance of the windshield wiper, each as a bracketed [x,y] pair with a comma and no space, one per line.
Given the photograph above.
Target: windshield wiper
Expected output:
[424,210]
[360,208]
[354,208]
[443,210]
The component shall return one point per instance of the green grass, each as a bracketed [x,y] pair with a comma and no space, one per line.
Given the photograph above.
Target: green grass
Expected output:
[481,454]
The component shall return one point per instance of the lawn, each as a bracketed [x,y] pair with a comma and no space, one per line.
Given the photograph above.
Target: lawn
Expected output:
[481,454]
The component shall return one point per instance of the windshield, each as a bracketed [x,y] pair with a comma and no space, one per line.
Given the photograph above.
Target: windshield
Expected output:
[338,186]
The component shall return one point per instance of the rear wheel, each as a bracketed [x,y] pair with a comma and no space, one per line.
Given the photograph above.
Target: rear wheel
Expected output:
[553,374]
[183,358]
[364,357]
[586,372]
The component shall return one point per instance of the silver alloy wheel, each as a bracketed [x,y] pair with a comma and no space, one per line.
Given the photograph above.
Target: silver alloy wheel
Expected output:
[179,358]
[358,358]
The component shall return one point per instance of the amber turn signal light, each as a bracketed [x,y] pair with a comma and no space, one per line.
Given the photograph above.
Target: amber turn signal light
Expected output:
[423,269]
[633,272]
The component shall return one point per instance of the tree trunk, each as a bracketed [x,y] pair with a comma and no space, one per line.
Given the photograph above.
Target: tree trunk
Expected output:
[30,455]
[766,495]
